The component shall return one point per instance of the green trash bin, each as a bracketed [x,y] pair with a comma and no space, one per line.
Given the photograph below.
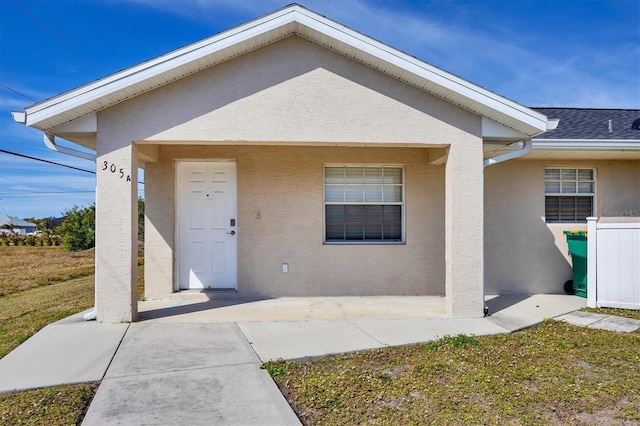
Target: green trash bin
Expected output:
[577,242]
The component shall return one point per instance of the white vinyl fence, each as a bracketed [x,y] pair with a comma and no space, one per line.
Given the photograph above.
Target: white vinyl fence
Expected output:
[613,262]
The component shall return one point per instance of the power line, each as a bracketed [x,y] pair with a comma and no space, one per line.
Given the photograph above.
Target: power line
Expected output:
[47,161]
[11,195]
[16,92]
[45,26]
[51,162]
[46,192]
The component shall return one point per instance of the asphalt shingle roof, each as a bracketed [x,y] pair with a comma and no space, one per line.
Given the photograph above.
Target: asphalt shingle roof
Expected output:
[587,123]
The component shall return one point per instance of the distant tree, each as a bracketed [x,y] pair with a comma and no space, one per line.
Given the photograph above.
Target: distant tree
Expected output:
[43,224]
[78,230]
[140,219]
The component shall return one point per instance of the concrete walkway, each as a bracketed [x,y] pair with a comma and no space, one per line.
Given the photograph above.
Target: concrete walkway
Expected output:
[197,361]
[600,321]
[187,374]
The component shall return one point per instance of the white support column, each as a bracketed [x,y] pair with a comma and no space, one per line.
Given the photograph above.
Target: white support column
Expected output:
[464,230]
[116,232]
[592,262]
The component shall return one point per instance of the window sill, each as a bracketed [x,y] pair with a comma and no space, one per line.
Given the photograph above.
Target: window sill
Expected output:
[364,243]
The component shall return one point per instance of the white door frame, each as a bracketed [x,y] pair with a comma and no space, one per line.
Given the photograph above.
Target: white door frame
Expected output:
[178,197]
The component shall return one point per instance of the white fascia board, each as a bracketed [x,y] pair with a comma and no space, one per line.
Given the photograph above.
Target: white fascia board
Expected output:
[260,26]
[587,144]
[154,67]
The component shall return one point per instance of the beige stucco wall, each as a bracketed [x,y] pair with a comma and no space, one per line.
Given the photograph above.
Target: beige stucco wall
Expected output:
[116,228]
[320,108]
[523,254]
[280,220]
[291,91]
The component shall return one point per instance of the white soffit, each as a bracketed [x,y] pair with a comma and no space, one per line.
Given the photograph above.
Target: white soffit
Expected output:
[587,144]
[495,131]
[84,124]
[291,20]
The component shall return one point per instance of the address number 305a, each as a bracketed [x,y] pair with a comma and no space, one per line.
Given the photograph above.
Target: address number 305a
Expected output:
[113,168]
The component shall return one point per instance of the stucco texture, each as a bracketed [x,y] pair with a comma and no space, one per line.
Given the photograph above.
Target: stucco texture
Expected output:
[291,91]
[282,113]
[280,220]
[523,254]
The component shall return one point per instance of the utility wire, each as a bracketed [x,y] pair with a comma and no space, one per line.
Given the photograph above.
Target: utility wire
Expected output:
[46,161]
[11,195]
[45,26]
[51,162]
[16,92]
[46,192]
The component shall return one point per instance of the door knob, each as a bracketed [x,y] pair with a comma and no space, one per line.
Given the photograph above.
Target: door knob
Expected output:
[232,233]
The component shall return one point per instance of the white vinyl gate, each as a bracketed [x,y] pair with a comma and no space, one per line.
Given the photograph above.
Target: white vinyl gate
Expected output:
[613,262]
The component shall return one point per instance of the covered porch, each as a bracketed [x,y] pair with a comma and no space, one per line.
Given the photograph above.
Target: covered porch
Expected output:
[282,102]
[280,223]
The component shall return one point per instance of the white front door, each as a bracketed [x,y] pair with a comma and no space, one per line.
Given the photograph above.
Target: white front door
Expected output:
[207,240]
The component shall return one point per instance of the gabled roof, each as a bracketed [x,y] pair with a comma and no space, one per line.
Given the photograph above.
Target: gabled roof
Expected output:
[592,124]
[290,20]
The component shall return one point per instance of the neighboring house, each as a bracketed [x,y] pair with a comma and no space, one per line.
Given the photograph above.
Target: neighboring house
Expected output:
[18,226]
[588,166]
[292,156]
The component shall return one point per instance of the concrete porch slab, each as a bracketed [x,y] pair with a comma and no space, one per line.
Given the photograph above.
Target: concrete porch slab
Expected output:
[211,307]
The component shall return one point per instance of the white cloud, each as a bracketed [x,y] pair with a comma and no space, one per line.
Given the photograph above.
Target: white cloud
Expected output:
[513,63]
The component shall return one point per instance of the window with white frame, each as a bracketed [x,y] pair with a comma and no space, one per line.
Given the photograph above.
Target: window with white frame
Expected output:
[569,194]
[364,204]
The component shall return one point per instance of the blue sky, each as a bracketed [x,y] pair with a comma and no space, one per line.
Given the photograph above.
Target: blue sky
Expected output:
[573,53]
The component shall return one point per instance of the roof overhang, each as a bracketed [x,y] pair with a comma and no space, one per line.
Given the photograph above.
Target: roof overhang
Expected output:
[587,144]
[55,112]
[571,149]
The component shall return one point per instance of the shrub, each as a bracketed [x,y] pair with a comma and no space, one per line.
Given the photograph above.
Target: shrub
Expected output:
[78,230]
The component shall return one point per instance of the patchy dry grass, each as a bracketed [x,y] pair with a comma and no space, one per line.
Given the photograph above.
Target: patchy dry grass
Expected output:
[23,314]
[58,405]
[40,285]
[23,268]
[555,373]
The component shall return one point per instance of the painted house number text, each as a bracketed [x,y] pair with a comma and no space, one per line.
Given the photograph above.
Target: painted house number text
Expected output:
[111,167]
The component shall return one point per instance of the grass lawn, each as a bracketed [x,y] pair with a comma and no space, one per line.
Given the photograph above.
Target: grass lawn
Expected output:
[57,405]
[23,268]
[40,285]
[551,374]
[555,373]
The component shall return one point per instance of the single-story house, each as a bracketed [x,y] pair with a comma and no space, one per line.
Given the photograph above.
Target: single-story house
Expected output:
[588,166]
[292,156]
[12,224]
